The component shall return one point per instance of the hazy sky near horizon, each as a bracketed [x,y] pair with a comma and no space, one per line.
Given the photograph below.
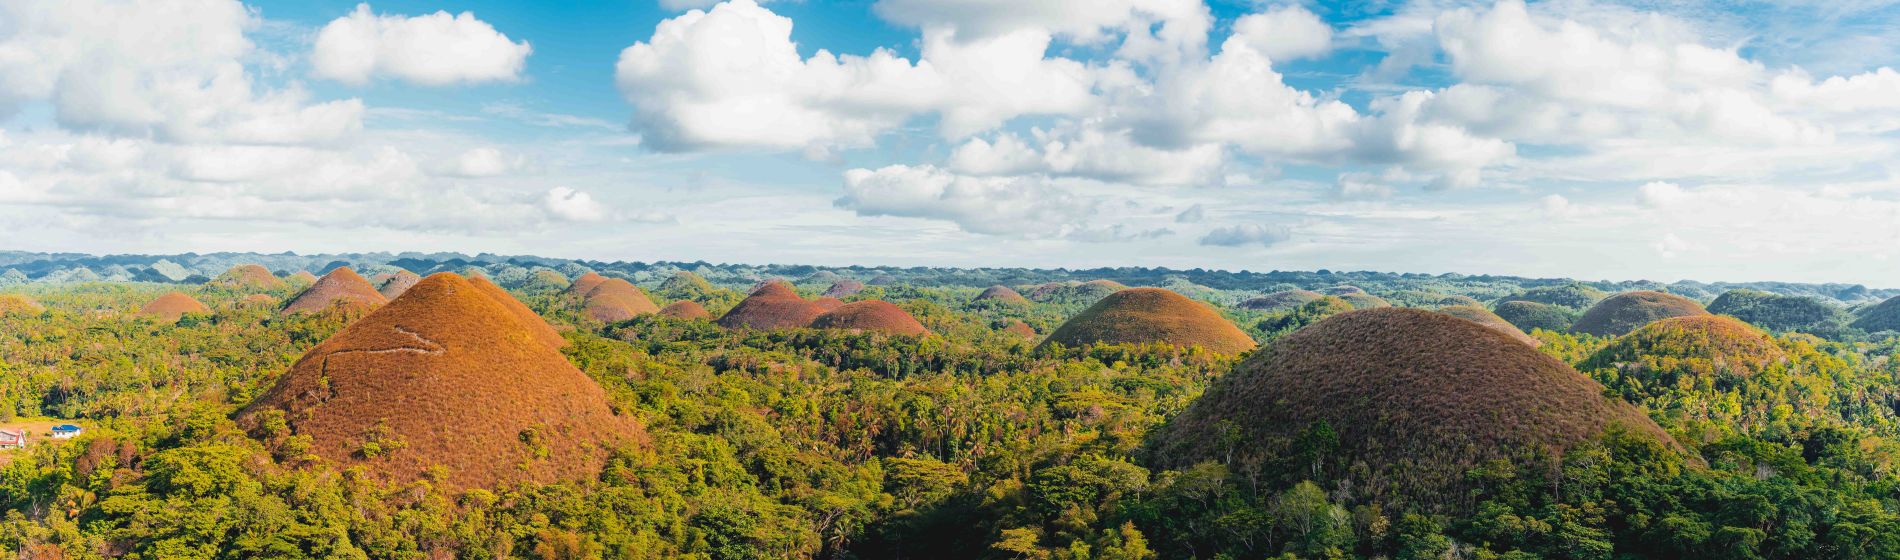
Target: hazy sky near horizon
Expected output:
[1704,140]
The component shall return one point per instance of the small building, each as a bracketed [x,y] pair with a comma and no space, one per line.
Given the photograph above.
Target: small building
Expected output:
[64,431]
[12,439]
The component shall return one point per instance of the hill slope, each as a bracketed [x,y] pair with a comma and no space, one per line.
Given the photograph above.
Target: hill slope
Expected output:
[1629,311]
[447,375]
[871,315]
[771,306]
[1491,321]
[1148,315]
[171,306]
[1402,402]
[341,286]
[248,277]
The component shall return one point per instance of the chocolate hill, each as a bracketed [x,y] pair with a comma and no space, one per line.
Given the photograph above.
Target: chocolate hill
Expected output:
[614,300]
[844,288]
[1281,301]
[1884,316]
[172,305]
[448,376]
[248,277]
[687,309]
[1530,315]
[871,315]
[1629,311]
[1574,295]
[686,285]
[341,286]
[1019,328]
[1455,300]
[398,283]
[771,306]
[303,277]
[827,303]
[1414,399]
[17,304]
[1776,311]
[1661,354]
[1341,290]
[1002,294]
[585,283]
[1362,300]
[536,325]
[1491,321]
[1149,315]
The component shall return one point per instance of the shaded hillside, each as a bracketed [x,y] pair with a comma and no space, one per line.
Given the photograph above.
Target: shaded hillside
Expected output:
[870,315]
[772,306]
[1778,312]
[1279,302]
[248,277]
[1573,295]
[687,309]
[1365,301]
[340,287]
[1491,321]
[1529,315]
[1884,316]
[1398,403]
[1001,294]
[844,288]
[397,283]
[1152,315]
[1629,311]
[444,377]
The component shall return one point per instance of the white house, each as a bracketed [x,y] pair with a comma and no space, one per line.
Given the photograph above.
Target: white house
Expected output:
[64,431]
[12,439]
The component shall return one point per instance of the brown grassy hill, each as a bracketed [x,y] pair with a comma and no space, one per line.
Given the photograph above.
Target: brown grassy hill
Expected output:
[827,303]
[771,283]
[248,277]
[303,277]
[686,309]
[1883,316]
[1341,290]
[169,307]
[1105,283]
[1455,300]
[1674,350]
[1491,321]
[614,300]
[585,283]
[1019,328]
[1362,300]
[871,315]
[1414,399]
[17,304]
[1628,311]
[1530,315]
[1145,315]
[536,325]
[1002,294]
[258,301]
[1281,301]
[398,283]
[844,288]
[446,375]
[340,287]
[771,306]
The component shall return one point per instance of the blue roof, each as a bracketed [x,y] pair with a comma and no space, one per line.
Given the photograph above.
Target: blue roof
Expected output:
[65,428]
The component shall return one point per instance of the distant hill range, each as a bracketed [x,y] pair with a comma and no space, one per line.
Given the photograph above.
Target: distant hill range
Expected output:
[1229,287]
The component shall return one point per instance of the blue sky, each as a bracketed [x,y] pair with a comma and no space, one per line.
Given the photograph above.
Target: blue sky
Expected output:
[1592,139]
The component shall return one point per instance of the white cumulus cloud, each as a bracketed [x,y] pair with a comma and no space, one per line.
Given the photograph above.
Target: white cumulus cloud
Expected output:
[572,205]
[1246,234]
[1285,33]
[435,49]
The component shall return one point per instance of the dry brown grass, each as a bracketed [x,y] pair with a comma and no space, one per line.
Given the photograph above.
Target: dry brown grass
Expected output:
[397,283]
[686,309]
[1696,345]
[248,277]
[1019,328]
[1416,399]
[341,287]
[585,283]
[1362,300]
[614,300]
[827,303]
[528,317]
[1628,311]
[1281,301]
[18,304]
[772,305]
[172,305]
[1150,315]
[871,315]
[1001,293]
[303,277]
[447,376]
[1491,321]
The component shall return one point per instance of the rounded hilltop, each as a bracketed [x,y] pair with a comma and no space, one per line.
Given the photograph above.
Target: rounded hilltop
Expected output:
[1407,401]
[1884,316]
[1529,315]
[1687,351]
[1281,301]
[171,306]
[1574,295]
[687,309]
[1629,311]
[1152,315]
[871,315]
[397,283]
[1490,320]
[844,288]
[447,376]
[1362,300]
[1002,294]
[614,300]
[248,277]
[772,305]
[1776,311]
[339,287]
